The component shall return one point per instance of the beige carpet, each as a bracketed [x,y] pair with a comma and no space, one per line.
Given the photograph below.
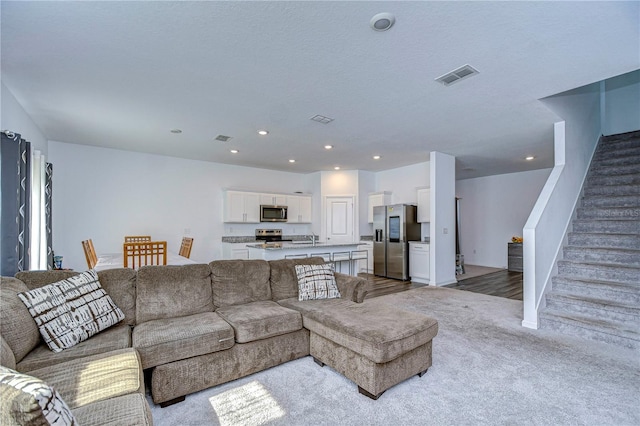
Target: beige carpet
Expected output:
[472,271]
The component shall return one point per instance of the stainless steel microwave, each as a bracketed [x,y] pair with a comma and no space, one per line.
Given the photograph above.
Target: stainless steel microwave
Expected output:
[273,213]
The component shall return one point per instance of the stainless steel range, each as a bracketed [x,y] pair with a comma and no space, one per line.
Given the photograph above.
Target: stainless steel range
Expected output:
[269,235]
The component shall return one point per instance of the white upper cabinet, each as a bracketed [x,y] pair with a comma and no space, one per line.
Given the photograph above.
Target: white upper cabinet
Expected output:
[377,199]
[299,209]
[241,207]
[273,199]
[424,205]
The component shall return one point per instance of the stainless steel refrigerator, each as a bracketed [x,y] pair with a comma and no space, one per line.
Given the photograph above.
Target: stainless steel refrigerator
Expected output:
[393,226]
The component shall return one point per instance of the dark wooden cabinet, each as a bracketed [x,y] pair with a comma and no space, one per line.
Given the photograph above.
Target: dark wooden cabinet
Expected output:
[515,257]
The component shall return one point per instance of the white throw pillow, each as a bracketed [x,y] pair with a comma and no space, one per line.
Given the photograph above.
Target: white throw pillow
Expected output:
[27,400]
[70,311]
[316,282]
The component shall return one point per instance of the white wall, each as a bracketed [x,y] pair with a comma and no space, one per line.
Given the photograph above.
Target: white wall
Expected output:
[492,210]
[366,185]
[442,254]
[15,118]
[104,194]
[575,140]
[622,103]
[403,181]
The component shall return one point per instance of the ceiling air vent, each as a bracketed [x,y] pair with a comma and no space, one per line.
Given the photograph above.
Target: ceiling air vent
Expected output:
[222,138]
[457,75]
[321,119]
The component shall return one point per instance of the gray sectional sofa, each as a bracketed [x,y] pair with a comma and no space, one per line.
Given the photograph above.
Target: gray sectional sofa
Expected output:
[195,326]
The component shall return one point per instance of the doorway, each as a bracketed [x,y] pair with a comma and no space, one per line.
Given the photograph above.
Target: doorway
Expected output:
[339,219]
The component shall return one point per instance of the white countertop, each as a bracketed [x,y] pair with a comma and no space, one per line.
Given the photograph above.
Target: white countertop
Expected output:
[301,245]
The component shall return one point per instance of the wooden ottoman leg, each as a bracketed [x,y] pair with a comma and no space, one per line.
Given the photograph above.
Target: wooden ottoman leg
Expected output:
[370,395]
[317,361]
[422,373]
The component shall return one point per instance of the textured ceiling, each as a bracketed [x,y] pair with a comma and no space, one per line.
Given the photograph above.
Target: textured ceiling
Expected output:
[122,74]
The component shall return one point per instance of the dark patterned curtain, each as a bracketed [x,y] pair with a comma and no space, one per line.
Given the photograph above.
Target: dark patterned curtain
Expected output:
[48,192]
[15,159]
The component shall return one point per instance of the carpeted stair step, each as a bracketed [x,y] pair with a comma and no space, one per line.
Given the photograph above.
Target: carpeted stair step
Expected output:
[584,239]
[617,213]
[611,201]
[610,256]
[600,226]
[599,271]
[630,150]
[604,170]
[615,312]
[589,328]
[616,161]
[609,290]
[607,190]
[627,179]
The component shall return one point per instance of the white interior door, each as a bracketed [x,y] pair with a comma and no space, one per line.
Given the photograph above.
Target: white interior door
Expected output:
[339,219]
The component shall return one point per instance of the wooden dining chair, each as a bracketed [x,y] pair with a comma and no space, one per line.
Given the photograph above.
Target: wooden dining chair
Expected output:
[185,247]
[144,253]
[89,253]
[136,238]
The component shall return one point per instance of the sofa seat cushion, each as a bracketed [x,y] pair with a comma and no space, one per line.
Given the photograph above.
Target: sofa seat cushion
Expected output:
[260,320]
[95,378]
[114,338]
[171,339]
[379,332]
[126,410]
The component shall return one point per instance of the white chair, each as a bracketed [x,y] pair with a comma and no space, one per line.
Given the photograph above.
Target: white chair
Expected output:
[295,256]
[341,256]
[356,256]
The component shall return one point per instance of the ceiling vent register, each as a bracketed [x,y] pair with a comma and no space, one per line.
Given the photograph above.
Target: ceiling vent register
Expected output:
[321,119]
[222,138]
[456,75]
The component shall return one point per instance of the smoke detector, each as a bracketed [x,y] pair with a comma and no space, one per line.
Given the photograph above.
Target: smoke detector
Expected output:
[456,75]
[382,21]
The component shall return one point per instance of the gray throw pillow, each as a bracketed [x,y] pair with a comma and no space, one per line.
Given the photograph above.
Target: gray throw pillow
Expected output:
[27,400]
[70,311]
[316,282]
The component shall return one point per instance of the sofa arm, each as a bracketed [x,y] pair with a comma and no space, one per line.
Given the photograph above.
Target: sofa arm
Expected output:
[351,288]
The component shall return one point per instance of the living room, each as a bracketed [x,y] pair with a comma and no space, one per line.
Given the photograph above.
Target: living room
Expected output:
[104,191]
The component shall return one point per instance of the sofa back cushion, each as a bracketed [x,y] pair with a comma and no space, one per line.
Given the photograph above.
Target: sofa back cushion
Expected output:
[239,281]
[17,326]
[119,283]
[284,280]
[6,355]
[173,291]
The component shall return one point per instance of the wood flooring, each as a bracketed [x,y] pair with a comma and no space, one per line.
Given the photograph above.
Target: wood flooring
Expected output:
[502,284]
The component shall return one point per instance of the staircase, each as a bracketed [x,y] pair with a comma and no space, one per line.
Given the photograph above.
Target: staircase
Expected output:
[596,294]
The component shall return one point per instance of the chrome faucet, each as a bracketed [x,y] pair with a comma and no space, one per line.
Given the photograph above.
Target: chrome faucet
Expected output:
[313,239]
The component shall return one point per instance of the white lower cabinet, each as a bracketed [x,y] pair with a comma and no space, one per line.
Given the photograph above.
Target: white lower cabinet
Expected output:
[362,265]
[419,262]
[235,251]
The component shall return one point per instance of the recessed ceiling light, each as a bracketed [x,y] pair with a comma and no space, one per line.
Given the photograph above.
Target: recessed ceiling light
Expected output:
[328,146]
[292,161]
[382,21]
[376,157]
[529,158]
[263,132]
[336,168]
[234,151]
[176,131]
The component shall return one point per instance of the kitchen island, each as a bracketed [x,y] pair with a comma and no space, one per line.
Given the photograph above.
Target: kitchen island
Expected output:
[280,250]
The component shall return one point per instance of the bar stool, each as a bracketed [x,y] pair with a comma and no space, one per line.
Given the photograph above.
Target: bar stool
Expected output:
[339,257]
[357,255]
[295,256]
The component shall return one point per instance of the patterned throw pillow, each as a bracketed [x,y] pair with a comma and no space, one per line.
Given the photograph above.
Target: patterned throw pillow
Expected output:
[70,311]
[316,282]
[27,400]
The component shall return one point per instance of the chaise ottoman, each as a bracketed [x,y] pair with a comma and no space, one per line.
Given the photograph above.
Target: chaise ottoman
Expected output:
[377,346]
